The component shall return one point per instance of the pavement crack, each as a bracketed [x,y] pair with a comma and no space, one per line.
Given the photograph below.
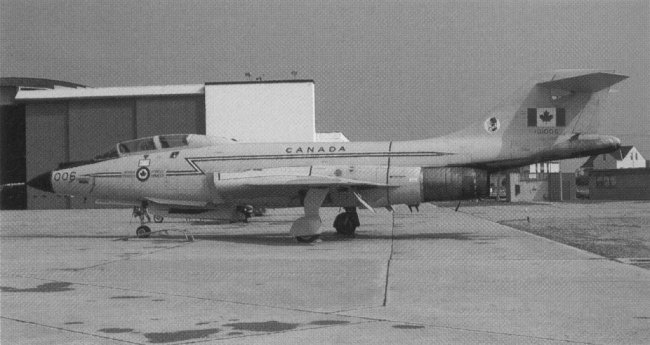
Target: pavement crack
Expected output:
[390,259]
[127,258]
[69,330]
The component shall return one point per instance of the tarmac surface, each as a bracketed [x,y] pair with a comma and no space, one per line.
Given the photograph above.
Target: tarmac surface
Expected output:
[437,276]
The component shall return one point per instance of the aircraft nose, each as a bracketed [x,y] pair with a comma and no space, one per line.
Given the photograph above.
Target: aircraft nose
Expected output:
[42,182]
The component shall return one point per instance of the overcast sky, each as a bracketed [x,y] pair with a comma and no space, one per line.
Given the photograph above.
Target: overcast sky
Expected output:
[383,69]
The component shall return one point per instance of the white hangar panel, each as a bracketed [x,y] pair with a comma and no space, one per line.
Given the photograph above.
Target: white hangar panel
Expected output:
[271,111]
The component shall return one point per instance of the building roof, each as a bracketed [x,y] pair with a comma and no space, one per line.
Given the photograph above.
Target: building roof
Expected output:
[618,155]
[37,82]
[132,91]
[109,92]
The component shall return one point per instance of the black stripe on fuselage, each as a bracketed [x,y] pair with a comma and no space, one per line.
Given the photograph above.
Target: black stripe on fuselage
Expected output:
[198,171]
[319,155]
[106,174]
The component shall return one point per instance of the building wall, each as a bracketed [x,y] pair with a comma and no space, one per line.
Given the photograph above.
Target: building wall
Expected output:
[170,115]
[605,161]
[546,187]
[519,190]
[620,184]
[95,125]
[567,190]
[633,160]
[7,95]
[282,111]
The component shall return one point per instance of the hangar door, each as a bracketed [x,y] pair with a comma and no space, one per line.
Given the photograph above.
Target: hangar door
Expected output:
[12,157]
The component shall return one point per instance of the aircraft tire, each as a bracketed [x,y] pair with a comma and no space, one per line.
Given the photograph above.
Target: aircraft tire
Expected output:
[307,239]
[158,219]
[143,231]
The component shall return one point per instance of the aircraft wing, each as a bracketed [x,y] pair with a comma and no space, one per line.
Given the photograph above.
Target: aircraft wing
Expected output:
[178,203]
[313,181]
[285,183]
[157,202]
[107,202]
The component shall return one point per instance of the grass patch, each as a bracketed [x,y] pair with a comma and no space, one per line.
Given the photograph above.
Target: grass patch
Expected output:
[612,237]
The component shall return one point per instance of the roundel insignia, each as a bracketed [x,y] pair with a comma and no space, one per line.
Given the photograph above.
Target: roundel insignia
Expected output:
[142,174]
[492,125]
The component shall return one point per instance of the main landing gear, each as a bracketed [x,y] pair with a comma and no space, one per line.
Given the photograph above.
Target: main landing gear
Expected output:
[347,222]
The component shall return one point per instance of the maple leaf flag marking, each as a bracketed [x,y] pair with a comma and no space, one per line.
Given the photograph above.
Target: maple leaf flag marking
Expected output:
[546,117]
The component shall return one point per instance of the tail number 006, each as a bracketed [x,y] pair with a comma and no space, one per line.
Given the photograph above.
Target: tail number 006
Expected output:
[65,176]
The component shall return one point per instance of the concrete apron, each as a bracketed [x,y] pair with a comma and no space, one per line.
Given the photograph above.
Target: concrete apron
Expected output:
[436,276]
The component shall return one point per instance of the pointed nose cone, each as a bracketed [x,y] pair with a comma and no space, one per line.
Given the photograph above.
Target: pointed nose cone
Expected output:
[42,182]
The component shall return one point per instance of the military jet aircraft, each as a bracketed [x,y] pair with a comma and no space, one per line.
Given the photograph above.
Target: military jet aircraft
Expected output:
[553,117]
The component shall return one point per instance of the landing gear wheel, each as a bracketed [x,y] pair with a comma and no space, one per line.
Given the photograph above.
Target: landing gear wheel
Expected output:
[307,239]
[158,219]
[143,231]
[346,223]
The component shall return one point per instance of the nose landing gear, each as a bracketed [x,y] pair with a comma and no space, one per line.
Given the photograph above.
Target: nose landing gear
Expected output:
[143,231]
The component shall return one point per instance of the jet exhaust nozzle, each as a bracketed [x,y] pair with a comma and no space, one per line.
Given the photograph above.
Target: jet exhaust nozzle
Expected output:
[42,182]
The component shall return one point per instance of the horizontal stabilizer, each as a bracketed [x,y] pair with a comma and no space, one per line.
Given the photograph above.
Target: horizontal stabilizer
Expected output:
[587,82]
[156,202]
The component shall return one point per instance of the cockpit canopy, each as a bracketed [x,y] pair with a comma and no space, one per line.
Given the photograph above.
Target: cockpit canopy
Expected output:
[161,143]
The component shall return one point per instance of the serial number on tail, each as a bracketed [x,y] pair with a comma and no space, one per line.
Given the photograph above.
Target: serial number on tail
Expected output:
[549,131]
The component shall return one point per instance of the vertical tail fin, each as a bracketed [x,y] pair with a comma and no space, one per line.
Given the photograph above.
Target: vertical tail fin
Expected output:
[557,105]
[549,110]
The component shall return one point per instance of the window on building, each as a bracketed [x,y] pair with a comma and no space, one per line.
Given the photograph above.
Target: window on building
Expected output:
[604,157]
[600,181]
